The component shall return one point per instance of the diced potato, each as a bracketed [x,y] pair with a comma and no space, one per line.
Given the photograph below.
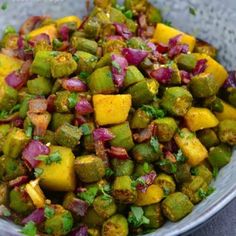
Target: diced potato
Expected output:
[200,118]
[111,109]
[35,193]
[229,112]
[164,33]
[154,194]
[214,68]
[191,147]
[68,19]
[59,176]
[50,30]
[8,64]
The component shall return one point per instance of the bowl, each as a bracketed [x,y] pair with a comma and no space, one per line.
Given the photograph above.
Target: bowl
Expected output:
[213,22]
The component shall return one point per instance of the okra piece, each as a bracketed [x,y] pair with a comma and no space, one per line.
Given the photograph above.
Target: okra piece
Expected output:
[153,14]
[42,46]
[213,103]
[177,101]
[4,192]
[20,201]
[144,152]
[136,6]
[68,135]
[49,137]
[232,97]
[208,137]
[94,167]
[63,65]
[114,46]
[92,219]
[183,173]
[176,206]
[122,136]
[192,188]
[57,86]
[59,119]
[93,232]
[92,28]
[100,81]
[227,132]
[122,167]
[203,172]
[155,216]
[102,3]
[4,129]
[220,155]
[105,207]
[42,63]
[175,77]
[24,106]
[143,92]
[86,45]
[123,191]
[15,142]
[117,16]
[137,43]
[203,85]
[133,76]
[131,25]
[142,169]
[87,61]
[140,119]
[104,61]
[186,62]
[60,223]
[165,128]
[39,86]
[61,102]
[116,225]
[88,140]
[205,48]
[8,97]
[166,182]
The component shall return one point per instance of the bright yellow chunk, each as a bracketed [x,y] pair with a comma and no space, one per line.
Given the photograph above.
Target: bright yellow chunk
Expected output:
[191,147]
[59,176]
[50,30]
[215,68]
[8,64]
[164,33]
[200,118]
[68,19]
[154,194]
[111,109]
[229,112]
[35,193]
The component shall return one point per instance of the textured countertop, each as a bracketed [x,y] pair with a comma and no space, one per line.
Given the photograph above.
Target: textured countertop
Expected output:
[222,224]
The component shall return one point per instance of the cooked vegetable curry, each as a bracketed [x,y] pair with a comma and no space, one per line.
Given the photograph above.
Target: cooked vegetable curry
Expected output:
[110,125]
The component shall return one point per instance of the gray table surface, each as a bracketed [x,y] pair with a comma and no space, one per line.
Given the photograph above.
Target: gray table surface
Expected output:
[222,224]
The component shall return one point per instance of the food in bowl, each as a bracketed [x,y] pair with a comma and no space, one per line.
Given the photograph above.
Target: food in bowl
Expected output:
[110,124]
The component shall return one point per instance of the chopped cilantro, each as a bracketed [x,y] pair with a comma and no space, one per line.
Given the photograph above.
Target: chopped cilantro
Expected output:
[84,75]
[204,194]
[72,100]
[192,11]
[146,168]
[129,14]
[89,195]
[215,172]
[76,58]
[194,171]
[56,43]
[4,6]
[109,172]
[136,217]
[106,189]
[15,108]
[153,111]
[49,159]
[116,66]
[54,53]
[138,181]
[29,131]
[85,129]
[180,133]
[67,222]
[168,164]
[3,114]
[9,30]
[93,59]
[155,144]
[49,212]
[167,22]
[180,157]
[29,229]
[120,7]
[166,191]
[38,172]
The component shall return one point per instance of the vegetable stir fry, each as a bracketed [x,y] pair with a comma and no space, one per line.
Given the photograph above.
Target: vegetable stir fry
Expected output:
[109,125]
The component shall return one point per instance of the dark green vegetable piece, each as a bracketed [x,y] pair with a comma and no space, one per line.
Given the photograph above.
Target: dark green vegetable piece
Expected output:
[186,62]
[63,65]
[92,219]
[49,137]
[122,167]
[4,192]
[213,103]
[176,101]
[123,191]
[122,136]
[59,119]
[136,6]
[83,44]
[62,103]
[87,61]
[104,61]
[100,81]
[88,140]
[140,119]
[4,129]
[142,169]
[131,25]
[68,135]
[182,173]
[166,182]
[24,106]
[176,206]
[113,46]
[8,97]
[133,76]
[117,16]
[205,48]
[39,86]
[232,97]
[176,76]
[153,14]
[116,225]
[208,137]
[227,132]
[137,43]
[220,155]
[203,172]
[203,85]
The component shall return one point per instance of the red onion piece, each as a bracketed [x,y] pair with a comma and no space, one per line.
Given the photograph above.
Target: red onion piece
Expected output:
[50,103]
[185,77]
[134,56]
[115,37]
[144,134]
[18,181]
[152,46]
[82,231]
[176,50]
[162,75]
[14,80]
[148,180]
[32,150]
[118,152]
[79,120]
[119,67]
[122,30]
[83,107]
[64,32]
[37,216]
[78,207]
[102,134]
[175,40]
[231,80]
[74,85]
[162,48]
[200,67]
[20,42]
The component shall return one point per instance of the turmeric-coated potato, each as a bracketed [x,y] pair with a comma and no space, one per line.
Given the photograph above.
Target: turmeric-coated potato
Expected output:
[68,19]
[229,112]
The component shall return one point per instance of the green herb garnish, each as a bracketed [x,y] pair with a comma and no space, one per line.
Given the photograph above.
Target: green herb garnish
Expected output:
[49,212]
[215,172]
[169,164]
[85,129]
[109,172]
[167,22]
[29,229]
[136,217]
[56,43]
[84,75]
[180,157]
[4,6]
[116,66]
[153,111]
[155,144]
[9,30]
[204,194]
[146,168]
[72,100]
[38,172]
[49,159]
[129,14]
[192,11]
[89,195]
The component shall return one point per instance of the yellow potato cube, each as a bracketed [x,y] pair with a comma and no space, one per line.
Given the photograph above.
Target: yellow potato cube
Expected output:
[213,67]
[68,19]
[154,194]
[8,64]
[59,176]
[111,109]
[229,112]
[164,33]
[50,30]
[191,147]
[200,118]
